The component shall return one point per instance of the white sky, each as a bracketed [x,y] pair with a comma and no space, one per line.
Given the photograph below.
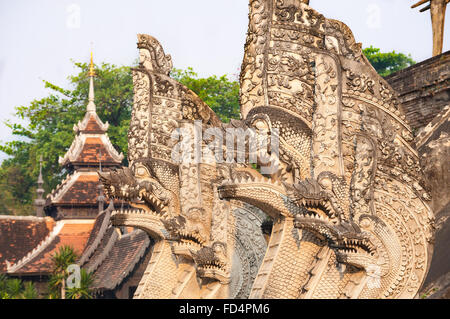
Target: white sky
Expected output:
[39,38]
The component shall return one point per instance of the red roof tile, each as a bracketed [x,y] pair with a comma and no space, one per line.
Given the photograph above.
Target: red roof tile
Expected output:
[91,152]
[122,258]
[83,191]
[73,233]
[95,232]
[107,240]
[19,235]
[93,126]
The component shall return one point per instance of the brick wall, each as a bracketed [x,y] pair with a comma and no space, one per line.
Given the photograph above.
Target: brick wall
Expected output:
[424,89]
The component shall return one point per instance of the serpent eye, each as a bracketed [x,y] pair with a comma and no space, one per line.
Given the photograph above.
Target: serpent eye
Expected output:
[261,125]
[141,171]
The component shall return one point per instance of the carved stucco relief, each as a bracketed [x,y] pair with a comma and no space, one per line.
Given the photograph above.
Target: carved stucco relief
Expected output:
[348,201]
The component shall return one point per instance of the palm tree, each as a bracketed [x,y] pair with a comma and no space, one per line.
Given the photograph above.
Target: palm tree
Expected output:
[84,291]
[29,291]
[61,260]
[14,288]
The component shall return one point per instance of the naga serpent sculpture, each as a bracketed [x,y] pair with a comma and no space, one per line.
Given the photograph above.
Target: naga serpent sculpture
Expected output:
[204,247]
[348,199]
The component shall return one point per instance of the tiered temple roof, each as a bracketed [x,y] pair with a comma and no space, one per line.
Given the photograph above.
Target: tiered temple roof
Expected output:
[78,195]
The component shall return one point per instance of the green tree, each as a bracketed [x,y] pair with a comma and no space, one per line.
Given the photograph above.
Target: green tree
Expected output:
[220,93]
[61,260]
[389,62]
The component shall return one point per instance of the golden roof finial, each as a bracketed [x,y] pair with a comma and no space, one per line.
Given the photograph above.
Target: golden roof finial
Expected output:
[91,104]
[91,67]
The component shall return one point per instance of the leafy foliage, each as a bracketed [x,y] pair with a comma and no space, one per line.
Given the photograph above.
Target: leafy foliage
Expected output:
[29,291]
[13,288]
[389,62]
[221,94]
[63,258]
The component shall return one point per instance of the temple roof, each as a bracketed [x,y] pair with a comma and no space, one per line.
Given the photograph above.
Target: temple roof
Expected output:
[100,225]
[121,260]
[79,188]
[91,151]
[112,256]
[19,235]
[88,146]
[91,123]
[74,233]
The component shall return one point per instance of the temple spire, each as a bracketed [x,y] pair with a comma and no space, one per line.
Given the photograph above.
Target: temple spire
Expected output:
[91,105]
[40,202]
[91,134]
